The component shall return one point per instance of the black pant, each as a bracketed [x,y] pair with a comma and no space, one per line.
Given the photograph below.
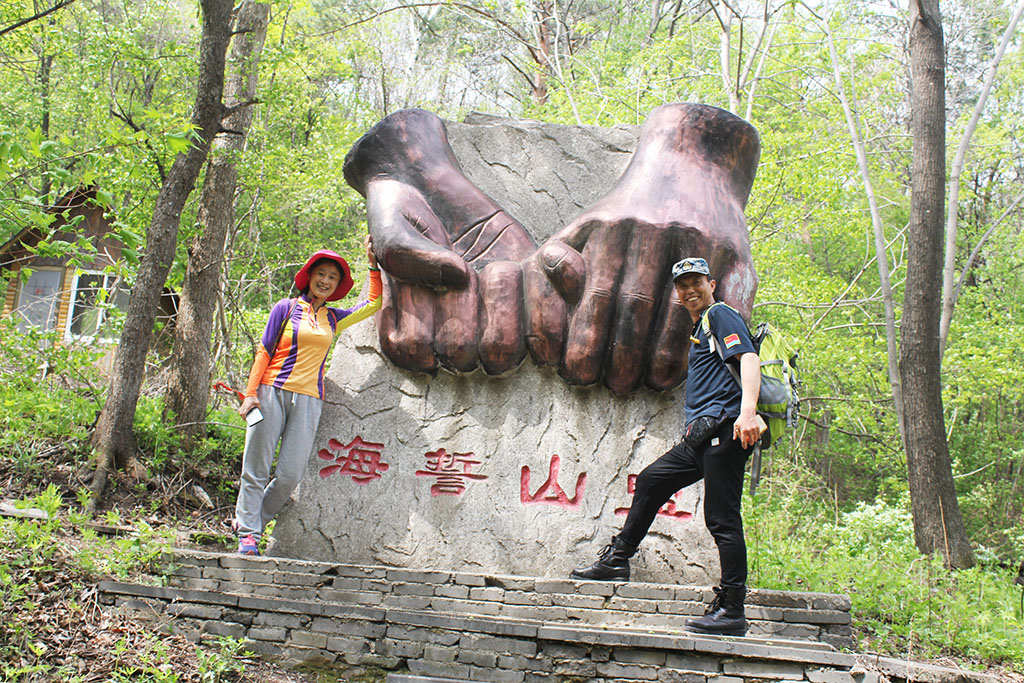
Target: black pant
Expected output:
[721,466]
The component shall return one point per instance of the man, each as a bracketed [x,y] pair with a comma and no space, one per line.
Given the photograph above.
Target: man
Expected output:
[722,426]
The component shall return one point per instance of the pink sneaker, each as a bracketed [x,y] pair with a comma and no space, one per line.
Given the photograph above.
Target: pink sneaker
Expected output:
[248,545]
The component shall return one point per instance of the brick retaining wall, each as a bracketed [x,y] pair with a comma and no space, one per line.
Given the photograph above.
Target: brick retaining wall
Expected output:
[474,627]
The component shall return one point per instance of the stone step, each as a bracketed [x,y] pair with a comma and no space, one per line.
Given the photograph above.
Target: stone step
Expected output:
[462,646]
[431,646]
[812,617]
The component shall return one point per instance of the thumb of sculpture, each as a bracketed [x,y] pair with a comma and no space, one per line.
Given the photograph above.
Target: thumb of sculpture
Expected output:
[565,269]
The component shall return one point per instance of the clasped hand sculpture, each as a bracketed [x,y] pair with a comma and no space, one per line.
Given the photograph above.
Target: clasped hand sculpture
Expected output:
[468,287]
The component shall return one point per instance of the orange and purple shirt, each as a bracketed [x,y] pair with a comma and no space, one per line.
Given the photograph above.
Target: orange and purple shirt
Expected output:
[306,337]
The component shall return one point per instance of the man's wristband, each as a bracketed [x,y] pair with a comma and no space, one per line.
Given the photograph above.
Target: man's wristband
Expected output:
[374,270]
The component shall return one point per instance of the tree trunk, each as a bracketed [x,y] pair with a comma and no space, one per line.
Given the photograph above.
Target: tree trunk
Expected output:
[542,14]
[938,524]
[188,385]
[655,20]
[43,79]
[725,17]
[113,440]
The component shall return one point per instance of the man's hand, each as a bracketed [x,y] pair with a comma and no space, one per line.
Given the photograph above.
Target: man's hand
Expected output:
[747,427]
[683,194]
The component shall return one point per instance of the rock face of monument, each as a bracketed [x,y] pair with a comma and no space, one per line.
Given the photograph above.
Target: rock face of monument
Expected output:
[521,474]
[542,174]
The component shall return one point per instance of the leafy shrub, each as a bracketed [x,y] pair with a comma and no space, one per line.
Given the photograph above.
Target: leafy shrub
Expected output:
[215,457]
[902,602]
[122,556]
[224,662]
[48,397]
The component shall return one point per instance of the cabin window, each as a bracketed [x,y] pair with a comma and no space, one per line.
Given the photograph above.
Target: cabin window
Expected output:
[39,300]
[87,315]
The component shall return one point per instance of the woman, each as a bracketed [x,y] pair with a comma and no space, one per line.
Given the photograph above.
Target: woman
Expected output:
[286,385]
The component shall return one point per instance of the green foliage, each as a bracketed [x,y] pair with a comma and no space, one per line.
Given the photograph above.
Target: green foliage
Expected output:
[147,663]
[26,550]
[216,454]
[48,397]
[224,663]
[902,602]
[156,436]
[122,556]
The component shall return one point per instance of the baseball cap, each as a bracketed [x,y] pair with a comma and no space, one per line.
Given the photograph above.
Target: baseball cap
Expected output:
[690,265]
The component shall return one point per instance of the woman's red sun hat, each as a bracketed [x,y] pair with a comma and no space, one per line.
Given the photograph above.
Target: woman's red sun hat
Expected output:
[302,277]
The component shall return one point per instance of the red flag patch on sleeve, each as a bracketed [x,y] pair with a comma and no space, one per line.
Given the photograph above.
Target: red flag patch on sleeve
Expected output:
[732,340]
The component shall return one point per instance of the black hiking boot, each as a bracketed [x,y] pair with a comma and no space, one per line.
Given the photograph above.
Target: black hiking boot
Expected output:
[724,616]
[612,563]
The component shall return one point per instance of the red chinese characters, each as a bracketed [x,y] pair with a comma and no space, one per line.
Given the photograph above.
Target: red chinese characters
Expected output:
[550,492]
[360,460]
[667,510]
[451,470]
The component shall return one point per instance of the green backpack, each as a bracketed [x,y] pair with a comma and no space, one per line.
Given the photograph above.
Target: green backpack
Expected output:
[778,402]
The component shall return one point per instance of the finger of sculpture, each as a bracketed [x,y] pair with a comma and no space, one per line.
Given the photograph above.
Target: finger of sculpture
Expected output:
[668,359]
[409,241]
[502,342]
[565,268]
[545,313]
[636,303]
[405,325]
[456,329]
[586,341]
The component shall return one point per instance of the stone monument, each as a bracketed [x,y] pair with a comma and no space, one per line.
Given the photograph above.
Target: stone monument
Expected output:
[481,460]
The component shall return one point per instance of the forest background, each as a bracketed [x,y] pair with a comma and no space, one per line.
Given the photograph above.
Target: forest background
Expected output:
[99,94]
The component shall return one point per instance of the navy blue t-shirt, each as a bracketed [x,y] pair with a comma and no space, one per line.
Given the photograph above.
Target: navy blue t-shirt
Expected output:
[711,390]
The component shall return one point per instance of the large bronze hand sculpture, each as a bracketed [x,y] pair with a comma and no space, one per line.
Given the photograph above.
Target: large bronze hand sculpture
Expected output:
[454,290]
[466,284]
[682,194]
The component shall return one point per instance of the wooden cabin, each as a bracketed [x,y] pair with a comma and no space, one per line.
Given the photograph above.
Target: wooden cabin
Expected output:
[61,296]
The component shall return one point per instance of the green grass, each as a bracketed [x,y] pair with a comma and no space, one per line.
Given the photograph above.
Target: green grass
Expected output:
[903,604]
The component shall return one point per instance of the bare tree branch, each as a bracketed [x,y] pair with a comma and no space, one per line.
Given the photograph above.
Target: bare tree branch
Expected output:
[35,17]
[977,249]
[949,296]
[876,222]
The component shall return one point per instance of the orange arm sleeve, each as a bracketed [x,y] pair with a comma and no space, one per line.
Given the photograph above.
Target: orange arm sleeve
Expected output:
[259,366]
[376,285]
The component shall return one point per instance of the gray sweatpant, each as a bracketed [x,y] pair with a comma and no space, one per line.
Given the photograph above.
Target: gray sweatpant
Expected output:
[291,419]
